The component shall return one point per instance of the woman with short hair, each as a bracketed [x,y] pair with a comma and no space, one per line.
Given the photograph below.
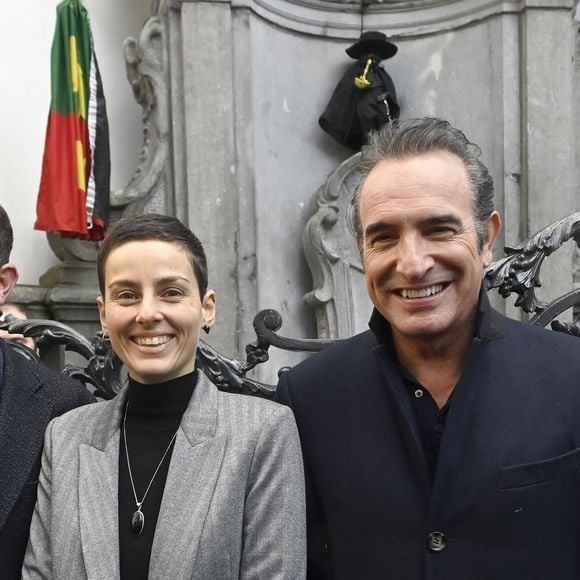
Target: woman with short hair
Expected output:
[172,478]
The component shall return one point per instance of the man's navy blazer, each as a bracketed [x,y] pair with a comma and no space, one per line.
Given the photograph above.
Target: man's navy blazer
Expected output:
[506,493]
[30,396]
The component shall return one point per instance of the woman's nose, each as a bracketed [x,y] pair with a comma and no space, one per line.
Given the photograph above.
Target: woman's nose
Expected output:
[149,310]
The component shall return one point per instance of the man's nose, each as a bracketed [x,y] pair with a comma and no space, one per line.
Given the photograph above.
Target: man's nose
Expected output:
[149,310]
[414,258]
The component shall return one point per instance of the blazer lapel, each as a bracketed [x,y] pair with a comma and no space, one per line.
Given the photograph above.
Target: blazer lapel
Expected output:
[22,401]
[98,494]
[396,390]
[384,351]
[195,465]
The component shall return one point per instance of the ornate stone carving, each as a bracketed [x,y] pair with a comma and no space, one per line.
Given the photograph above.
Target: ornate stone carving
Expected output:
[70,250]
[339,296]
[146,71]
[397,18]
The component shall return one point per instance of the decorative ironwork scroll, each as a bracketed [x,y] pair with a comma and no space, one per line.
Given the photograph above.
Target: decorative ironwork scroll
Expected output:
[519,272]
[104,371]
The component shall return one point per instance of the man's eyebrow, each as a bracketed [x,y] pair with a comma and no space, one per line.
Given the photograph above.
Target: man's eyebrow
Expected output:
[376,227]
[446,218]
[383,225]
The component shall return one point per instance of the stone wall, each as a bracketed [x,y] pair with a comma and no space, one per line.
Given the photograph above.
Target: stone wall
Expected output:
[232,92]
[253,77]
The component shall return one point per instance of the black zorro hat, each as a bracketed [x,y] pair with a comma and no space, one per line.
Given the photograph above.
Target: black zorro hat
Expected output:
[372,42]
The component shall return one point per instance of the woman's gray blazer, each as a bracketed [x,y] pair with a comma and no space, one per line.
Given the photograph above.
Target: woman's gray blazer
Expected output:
[233,505]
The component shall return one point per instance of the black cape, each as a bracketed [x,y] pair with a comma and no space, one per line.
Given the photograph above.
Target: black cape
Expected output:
[352,113]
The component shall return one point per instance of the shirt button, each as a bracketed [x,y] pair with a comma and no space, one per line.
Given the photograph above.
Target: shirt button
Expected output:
[418,393]
[439,428]
[436,541]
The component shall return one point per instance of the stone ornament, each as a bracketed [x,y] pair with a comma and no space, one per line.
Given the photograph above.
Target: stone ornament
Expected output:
[398,18]
[147,75]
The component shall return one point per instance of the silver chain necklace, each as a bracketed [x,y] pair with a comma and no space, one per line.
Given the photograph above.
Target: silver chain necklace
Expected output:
[138,519]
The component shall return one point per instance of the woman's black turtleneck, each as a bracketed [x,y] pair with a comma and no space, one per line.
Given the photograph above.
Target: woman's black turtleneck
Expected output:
[153,415]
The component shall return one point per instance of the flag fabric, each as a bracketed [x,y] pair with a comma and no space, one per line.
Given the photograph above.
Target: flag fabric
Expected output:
[73,198]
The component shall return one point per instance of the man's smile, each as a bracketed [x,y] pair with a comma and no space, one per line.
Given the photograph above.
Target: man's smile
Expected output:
[414,293]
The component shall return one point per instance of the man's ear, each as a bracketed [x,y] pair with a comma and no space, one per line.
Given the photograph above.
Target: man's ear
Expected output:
[493,228]
[8,279]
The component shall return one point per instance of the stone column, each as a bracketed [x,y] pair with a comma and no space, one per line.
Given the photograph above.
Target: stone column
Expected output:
[549,181]
[212,154]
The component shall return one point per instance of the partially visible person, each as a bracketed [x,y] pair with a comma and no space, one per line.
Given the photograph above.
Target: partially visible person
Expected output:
[17,312]
[30,396]
[172,478]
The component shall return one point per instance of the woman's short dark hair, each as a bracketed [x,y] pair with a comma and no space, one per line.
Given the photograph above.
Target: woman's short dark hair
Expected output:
[411,137]
[153,226]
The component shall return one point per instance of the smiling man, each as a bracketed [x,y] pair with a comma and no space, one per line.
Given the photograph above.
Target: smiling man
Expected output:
[445,441]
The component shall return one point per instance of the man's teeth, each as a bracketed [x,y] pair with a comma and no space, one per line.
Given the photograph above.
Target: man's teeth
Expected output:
[151,340]
[421,292]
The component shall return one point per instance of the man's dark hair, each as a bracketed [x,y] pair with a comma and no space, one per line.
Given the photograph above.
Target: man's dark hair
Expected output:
[6,237]
[153,227]
[411,137]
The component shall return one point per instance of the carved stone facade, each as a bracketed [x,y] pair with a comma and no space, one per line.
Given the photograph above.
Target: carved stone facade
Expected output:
[231,92]
[398,18]
[339,297]
[250,109]
[147,67]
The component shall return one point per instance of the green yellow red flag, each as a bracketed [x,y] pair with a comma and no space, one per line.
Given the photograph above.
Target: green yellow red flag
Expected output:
[73,198]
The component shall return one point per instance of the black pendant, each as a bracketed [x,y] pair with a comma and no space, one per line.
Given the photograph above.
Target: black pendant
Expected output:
[137,522]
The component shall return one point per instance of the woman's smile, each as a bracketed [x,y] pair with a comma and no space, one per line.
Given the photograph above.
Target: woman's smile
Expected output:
[151,340]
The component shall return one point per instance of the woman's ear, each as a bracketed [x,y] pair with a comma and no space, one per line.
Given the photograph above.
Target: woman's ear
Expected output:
[102,314]
[208,308]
